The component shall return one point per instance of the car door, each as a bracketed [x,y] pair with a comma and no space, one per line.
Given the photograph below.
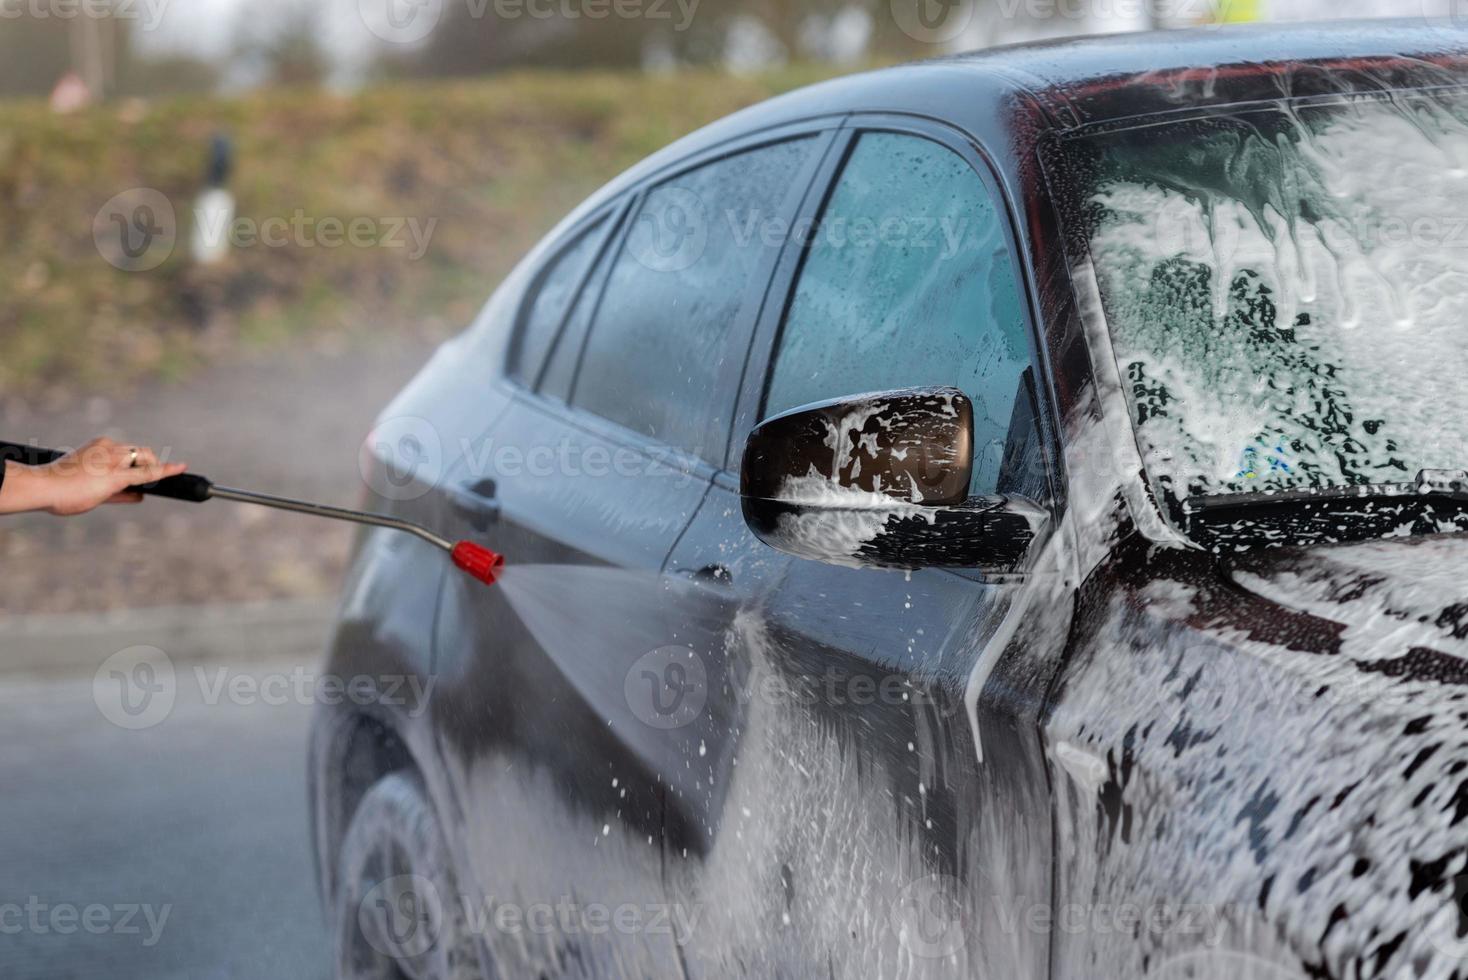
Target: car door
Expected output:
[854,830]
[585,484]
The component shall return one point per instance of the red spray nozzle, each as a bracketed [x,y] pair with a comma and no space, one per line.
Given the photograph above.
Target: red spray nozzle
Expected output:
[481,563]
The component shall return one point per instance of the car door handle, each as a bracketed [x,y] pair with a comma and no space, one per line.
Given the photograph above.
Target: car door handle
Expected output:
[709,575]
[476,503]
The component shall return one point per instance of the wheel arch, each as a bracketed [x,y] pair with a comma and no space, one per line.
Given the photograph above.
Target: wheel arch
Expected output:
[350,752]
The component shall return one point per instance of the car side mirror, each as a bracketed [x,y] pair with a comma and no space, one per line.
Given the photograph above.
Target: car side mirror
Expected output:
[881,479]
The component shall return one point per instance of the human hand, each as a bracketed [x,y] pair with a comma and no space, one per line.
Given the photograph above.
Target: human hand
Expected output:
[98,473]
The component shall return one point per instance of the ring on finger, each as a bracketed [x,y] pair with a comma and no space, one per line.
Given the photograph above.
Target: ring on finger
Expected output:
[132,460]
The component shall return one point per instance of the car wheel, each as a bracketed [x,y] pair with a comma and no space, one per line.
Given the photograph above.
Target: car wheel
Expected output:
[398,913]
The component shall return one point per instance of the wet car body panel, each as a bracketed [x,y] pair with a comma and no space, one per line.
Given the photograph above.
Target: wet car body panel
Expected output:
[859,709]
[1267,753]
[515,761]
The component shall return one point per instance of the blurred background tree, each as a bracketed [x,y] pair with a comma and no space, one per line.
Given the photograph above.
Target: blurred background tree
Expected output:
[36,52]
[738,33]
[239,44]
[286,42]
[278,42]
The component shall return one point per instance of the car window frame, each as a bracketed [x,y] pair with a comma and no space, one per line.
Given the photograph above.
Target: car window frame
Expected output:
[792,262]
[608,217]
[592,289]
[823,131]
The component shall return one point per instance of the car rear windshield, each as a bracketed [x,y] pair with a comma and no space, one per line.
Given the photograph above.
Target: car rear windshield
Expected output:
[1286,289]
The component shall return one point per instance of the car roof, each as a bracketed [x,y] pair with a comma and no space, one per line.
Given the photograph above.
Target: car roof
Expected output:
[1109,77]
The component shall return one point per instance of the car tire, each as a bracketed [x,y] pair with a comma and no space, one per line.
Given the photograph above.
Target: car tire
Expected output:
[398,912]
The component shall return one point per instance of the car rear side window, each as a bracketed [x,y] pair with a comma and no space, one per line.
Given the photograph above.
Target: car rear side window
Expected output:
[558,286]
[909,281]
[658,358]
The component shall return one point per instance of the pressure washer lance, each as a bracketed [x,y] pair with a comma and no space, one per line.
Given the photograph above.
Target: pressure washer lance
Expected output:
[474,560]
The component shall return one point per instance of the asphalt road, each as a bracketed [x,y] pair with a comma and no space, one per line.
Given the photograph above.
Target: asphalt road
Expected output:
[175,851]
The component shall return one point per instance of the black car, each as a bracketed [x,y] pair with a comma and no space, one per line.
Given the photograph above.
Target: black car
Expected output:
[994,517]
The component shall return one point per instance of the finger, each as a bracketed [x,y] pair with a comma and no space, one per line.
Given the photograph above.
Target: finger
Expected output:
[150,474]
[130,457]
[126,498]
[107,455]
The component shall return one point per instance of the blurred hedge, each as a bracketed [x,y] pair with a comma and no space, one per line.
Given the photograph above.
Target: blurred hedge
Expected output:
[496,162]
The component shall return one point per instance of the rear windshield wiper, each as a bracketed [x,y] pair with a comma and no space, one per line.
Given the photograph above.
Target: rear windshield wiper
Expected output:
[1304,515]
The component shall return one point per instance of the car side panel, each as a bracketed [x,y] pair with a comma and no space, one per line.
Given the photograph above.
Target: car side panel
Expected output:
[853,831]
[559,798]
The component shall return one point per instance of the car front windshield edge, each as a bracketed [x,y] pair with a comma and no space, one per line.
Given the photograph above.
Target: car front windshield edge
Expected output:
[1285,289]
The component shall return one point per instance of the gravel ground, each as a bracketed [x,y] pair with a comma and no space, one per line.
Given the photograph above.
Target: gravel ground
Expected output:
[289,424]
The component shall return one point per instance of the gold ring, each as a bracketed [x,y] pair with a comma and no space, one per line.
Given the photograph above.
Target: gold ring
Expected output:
[132,462]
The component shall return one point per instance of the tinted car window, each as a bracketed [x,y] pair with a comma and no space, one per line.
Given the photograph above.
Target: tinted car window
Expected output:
[909,281]
[560,373]
[664,329]
[557,287]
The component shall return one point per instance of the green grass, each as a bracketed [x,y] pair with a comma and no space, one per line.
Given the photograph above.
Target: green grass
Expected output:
[496,161]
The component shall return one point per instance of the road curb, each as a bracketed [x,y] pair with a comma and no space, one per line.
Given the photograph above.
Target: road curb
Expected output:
[240,632]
